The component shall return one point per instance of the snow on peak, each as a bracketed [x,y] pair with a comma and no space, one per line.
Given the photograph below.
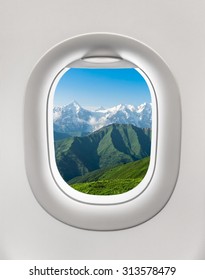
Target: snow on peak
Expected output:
[101,108]
[76,118]
[74,106]
[144,106]
[141,107]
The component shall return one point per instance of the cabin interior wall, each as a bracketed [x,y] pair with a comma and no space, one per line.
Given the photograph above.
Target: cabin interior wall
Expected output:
[174,29]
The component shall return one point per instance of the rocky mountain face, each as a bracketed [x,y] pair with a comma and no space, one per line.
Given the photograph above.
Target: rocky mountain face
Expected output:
[74,120]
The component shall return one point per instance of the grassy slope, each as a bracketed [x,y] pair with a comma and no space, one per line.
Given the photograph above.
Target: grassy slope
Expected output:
[110,146]
[112,181]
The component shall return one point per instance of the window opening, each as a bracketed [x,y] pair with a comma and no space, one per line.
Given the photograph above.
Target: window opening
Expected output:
[102,128]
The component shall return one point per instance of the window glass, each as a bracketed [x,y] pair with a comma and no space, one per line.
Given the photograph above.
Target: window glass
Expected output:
[102,126]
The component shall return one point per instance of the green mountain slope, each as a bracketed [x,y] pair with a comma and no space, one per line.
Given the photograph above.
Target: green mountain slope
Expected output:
[112,181]
[109,146]
[132,170]
[60,136]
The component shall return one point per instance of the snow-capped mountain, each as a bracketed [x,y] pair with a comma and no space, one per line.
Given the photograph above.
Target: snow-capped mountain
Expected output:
[77,121]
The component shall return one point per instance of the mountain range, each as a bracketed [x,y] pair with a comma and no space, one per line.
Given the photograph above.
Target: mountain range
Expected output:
[74,120]
[110,146]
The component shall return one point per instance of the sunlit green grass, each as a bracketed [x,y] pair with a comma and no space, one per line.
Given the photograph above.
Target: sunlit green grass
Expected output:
[107,187]
[117,180]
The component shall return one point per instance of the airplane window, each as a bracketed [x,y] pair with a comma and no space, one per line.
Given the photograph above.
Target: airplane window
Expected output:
[98,130]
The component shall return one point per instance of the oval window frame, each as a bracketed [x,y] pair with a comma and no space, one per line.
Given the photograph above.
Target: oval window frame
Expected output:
[91,213]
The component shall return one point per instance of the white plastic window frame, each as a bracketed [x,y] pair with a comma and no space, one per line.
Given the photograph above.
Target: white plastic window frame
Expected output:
[91,211]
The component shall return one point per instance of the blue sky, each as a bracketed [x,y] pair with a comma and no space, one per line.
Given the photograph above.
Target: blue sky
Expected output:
[93,88]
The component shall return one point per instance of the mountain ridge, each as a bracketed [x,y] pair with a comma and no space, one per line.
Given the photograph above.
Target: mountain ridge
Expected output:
[78,121]
[109,146]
